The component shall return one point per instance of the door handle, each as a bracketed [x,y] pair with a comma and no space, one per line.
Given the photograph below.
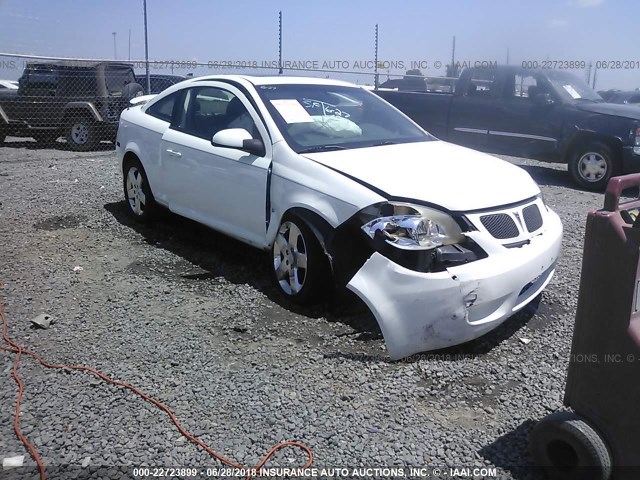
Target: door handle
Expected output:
[173,153]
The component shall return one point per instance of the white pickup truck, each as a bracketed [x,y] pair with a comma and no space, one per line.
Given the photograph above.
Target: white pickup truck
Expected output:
[442,243]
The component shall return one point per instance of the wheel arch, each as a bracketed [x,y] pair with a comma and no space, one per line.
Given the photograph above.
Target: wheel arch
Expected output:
[129,155]
[319,225]
[582,138]
[132,150]
[83,108]
[344,245]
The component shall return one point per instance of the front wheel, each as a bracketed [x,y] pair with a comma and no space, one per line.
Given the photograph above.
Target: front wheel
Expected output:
[137,192]
[300,268]
[591,166]
[82,134]
[568,448]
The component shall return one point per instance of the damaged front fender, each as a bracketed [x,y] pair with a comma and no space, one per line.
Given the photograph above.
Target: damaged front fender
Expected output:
[412,318]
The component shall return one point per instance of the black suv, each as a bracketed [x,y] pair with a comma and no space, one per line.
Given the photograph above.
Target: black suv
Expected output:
[79,100]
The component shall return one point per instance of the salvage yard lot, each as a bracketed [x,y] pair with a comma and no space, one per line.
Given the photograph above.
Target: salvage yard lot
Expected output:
[190,317]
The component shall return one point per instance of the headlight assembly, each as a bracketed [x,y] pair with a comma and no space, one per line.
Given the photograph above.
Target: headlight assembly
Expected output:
[414,227]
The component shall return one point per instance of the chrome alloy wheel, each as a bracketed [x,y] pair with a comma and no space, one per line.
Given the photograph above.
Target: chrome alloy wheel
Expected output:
[592,166]
[290,258]
[135,193]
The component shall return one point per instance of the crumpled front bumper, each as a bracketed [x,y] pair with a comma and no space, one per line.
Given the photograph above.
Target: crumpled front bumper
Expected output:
[419,311]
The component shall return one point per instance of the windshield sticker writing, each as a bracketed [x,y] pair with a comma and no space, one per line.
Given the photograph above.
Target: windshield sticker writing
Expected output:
[326,108]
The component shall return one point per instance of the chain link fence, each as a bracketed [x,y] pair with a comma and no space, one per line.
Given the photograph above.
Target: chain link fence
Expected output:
[76,103]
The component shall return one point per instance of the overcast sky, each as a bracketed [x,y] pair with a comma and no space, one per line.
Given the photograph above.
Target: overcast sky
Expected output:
[329,30]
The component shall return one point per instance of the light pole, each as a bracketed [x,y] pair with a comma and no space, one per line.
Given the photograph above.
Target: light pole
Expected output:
[115,52]
[280,42]
[146,47]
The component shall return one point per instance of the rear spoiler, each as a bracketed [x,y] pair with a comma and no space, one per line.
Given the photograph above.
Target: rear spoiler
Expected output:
[141,99]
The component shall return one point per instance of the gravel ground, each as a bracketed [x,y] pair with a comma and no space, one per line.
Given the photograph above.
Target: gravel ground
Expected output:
[192,319]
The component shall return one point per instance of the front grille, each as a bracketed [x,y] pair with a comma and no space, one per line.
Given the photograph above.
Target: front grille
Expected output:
[532,217]
[500,225]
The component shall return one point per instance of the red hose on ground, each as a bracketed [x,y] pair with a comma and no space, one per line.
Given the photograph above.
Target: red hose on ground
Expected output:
[19,351]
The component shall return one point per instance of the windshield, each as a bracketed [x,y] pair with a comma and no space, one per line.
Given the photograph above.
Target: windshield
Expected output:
[571,87]
[327,117]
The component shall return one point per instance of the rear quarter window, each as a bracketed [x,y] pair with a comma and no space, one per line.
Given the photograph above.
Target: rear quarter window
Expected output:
[163,109]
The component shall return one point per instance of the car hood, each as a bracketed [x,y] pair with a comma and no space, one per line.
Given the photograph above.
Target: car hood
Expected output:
[619,110]
[454,177]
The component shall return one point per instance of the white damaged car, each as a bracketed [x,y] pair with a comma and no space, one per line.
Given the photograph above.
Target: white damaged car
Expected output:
[442,243]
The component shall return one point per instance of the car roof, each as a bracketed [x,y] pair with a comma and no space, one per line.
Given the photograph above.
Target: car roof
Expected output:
[274,80]
[74,64]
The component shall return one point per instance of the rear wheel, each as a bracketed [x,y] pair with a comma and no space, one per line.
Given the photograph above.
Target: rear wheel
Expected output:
[592,165]
[137,192]
[568,448]
[300,268]
[82,133]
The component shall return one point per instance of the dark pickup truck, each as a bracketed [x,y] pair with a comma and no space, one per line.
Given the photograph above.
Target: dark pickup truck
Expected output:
[542,114]
[79,100]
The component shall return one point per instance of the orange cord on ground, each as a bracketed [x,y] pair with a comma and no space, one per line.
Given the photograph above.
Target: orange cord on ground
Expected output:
[19,351]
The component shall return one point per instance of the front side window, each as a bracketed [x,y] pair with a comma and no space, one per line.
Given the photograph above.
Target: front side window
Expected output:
[207,110]
[325,117]
[525,86]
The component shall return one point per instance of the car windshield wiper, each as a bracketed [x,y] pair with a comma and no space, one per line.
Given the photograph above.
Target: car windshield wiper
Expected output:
[386,142]
[322,148]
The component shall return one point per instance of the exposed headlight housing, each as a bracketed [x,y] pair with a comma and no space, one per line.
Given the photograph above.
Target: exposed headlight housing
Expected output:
[414,227]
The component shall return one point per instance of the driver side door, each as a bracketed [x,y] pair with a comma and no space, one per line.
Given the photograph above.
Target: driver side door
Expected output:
[223,188]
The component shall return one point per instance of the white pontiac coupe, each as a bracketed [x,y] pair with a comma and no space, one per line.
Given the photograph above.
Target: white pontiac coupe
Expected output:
[442,243]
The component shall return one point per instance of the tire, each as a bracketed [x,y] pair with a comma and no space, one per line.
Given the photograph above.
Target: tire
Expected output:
[592,165]
[82,133]
[3,136]
[137,193]
[132,90]
[568,448]
[47,138]
[299,267]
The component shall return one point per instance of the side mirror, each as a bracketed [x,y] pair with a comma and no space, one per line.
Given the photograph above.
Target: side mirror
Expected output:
[543,99]
[239,139]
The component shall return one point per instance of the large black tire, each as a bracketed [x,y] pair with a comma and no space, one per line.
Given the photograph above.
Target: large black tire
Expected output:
[141,204]
[593,164]
[82,133]
[568,448]
[299,266]
[2,136]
